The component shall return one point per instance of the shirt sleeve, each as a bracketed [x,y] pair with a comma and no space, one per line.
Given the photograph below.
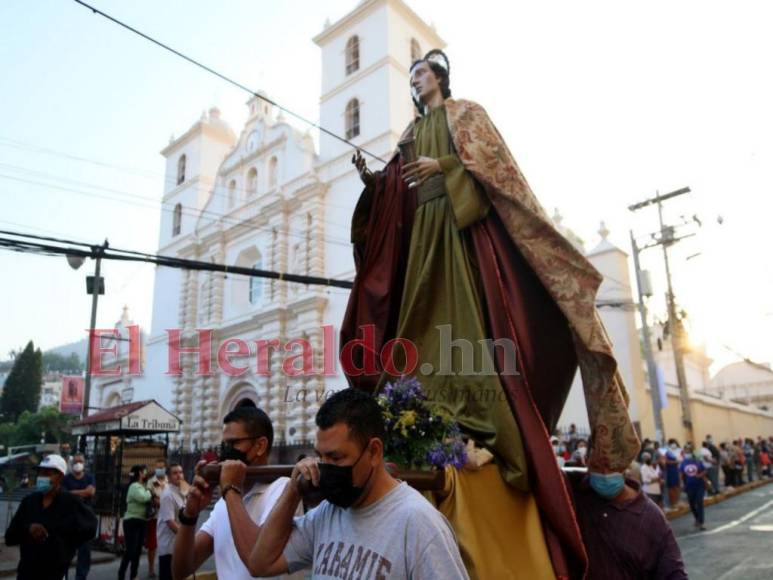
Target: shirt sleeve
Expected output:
[273,493]
[18,527]
[468,202]
[166,511]
[299,551]
[670,564]
[138,493]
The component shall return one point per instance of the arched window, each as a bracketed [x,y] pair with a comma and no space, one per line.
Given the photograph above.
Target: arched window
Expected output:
[256,285]
[231,193]
[352,54]
[177,218]
[252,181]
[273,168]
[352,118]
[181,169]
[415,50]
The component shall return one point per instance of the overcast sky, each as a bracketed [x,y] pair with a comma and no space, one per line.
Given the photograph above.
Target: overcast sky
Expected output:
[602,104]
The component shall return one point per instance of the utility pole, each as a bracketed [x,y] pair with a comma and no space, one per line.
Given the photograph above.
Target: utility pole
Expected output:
[657,404]
[665,240]
[94,286]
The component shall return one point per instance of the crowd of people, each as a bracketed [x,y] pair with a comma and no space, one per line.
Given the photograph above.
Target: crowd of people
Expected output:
[670,473]
[268,529]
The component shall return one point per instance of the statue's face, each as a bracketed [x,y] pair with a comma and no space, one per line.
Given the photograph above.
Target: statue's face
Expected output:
[424,83]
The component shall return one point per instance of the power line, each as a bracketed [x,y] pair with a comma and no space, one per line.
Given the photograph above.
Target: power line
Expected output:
[145,173]
[194,212]
[188,211]
[225,78]
[30,243]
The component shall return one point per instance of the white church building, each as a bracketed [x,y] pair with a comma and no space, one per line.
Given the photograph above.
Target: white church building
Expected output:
[265,198]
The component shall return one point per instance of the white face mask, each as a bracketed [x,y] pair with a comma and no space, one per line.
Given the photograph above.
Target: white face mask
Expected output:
[582,451]
[673,446]
[77,467]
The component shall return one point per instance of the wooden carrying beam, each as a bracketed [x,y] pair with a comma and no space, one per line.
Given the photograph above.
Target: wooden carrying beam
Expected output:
[421,480]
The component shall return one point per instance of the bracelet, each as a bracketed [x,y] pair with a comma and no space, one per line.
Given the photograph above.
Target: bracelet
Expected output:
[186,520]
[230,487]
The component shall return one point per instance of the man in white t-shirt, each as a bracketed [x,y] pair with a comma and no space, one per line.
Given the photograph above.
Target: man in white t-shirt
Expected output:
[370,525]
[171,501]
[234,524]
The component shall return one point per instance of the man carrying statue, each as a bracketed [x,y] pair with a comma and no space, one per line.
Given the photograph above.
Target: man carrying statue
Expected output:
[454,247]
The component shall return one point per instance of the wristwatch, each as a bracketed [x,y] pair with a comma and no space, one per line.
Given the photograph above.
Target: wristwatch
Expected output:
[186,520]
[230,487]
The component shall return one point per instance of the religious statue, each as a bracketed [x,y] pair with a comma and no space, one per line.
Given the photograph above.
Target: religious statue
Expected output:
[453,249]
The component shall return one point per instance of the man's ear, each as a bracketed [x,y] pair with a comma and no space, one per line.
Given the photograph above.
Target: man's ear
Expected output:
[262,445]
[377,448]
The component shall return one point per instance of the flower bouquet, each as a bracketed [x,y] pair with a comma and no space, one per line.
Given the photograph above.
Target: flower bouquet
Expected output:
[418,435]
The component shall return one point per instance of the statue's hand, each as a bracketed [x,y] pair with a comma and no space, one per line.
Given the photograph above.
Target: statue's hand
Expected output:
[419,170]
[366,175]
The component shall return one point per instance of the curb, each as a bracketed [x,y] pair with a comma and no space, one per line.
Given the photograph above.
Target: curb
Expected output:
[720,497]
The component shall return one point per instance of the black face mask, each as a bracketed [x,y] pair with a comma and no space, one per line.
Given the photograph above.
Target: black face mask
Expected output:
[228,451]
[336,483]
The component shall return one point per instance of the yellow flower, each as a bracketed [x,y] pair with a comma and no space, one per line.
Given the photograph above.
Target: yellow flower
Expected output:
[407,419]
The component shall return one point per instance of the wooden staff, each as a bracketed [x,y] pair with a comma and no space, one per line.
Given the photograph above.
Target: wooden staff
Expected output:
[420,480]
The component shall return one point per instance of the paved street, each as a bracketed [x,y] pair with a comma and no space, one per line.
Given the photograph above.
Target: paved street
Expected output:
[737,543]
[109,570]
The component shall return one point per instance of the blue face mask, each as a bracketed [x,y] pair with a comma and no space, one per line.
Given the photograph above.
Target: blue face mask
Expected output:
[43,483]
[160,472]
[607,485]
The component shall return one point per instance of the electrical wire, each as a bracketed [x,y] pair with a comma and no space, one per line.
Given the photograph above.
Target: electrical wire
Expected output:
[188,212]
[29,244]
[224,77]
[146,173]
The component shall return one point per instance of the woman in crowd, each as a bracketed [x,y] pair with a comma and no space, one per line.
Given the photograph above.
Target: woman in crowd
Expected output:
[652,478]
[579,457]
[134,520]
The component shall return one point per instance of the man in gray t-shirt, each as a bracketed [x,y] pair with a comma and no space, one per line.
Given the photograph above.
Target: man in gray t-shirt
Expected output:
[370,525]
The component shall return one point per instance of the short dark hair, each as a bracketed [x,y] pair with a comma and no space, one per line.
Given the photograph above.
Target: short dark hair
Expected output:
[171,466]
[358,410]
[255,421]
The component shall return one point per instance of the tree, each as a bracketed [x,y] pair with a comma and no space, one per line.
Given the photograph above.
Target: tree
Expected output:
[48,425]
[22,387]
[54,362]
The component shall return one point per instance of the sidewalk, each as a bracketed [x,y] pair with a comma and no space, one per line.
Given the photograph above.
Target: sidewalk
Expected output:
[720,497]
[9,559]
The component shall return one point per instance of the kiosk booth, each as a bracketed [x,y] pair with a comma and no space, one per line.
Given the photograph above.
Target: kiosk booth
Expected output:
[115,439]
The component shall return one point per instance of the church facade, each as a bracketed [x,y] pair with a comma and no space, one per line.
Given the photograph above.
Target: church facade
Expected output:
[265,198]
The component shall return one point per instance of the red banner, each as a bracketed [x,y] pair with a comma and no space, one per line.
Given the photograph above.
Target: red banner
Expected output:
[71,398]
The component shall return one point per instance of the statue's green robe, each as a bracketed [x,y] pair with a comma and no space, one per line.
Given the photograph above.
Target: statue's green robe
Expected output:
[487,259]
